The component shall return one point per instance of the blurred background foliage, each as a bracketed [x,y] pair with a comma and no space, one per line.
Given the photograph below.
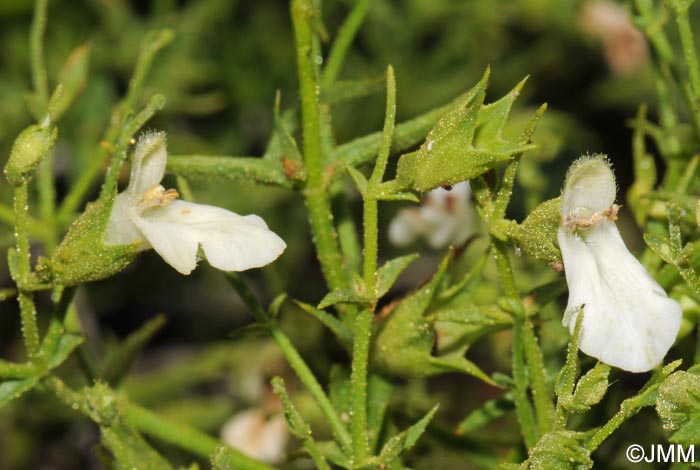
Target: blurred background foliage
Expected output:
[219,76]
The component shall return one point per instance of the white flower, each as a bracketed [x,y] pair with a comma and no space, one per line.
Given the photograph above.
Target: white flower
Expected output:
[629,321]
[445,218]
[256,435]
[148,214]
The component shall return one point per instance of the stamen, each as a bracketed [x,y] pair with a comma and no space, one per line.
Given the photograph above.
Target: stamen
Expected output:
[157,196]
[572,222]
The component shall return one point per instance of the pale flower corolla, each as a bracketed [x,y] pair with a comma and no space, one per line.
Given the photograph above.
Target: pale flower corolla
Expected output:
[445,218]
[257,435]
[628,320]
[149,215]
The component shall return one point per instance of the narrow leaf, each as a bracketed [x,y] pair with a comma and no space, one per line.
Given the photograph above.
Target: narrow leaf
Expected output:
[348,90]
[486,413]
[390,271]
[401,443]
[66,344]
[243,170]
[332,323]
[11,389]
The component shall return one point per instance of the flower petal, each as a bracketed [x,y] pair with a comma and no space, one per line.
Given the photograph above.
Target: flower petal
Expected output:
[230,242]
[176,244]
[629,321]
[148,165]
[589,187]
[121,229]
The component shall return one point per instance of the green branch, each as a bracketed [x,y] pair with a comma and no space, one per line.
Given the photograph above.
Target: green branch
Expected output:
[315,193]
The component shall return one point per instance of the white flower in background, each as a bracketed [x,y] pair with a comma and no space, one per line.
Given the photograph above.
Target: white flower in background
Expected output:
[148,214]
[444,219]
[628,320]
[624,46]
[257,435]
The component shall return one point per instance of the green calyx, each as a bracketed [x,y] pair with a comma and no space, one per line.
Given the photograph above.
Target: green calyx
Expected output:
[82,256]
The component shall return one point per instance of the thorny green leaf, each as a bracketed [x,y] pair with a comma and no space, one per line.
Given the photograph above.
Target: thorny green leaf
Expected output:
[465,143]
[590,389]
[406,336]
[678,405]
[537,235]
[559,450]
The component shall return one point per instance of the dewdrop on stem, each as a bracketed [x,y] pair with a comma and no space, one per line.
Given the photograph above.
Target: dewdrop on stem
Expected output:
[629,321]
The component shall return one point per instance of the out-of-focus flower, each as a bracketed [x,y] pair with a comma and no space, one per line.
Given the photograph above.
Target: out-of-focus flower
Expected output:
[624,45]
[445,218]
[628,320]
[148,214]
[257,435]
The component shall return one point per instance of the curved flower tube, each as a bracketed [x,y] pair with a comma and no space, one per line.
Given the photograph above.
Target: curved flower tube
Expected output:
[629,322]
[148,214]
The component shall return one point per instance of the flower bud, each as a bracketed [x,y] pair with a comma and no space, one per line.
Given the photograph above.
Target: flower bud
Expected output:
[31,146]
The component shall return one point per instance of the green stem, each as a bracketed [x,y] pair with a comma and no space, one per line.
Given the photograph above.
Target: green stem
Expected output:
[30,329]
[151,45]
[38,67]
[56,328]
[295,360]
[12,370]
[347,232]
[315,194]
[541,396]
[358,384]
[628,408]
[375,180]
[696,356]
[343,40]
[45,181]
[130,128]
[523,407]
[47,202]
[691,60]
[186,437]
[688,44]
[570,371]
[7,293]
[369,215]
[65,394]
